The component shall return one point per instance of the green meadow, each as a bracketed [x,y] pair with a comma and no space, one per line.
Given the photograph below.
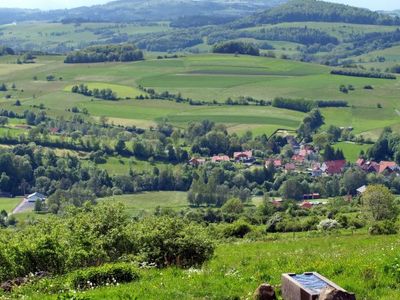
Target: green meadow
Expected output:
[8,204]
[149,201]
[206,78]
[122,91]
[351,151]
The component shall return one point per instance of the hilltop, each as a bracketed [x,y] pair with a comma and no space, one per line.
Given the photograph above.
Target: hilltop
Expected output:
[317,11]
[123,11]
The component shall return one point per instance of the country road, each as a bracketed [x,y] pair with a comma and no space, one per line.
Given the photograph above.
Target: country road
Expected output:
[23,206]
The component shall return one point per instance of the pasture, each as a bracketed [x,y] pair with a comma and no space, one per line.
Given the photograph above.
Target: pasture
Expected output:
[148,202]
[351,151]
[8,204]
[204,77]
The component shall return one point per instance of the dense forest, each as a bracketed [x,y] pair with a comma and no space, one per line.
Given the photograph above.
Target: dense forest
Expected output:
[94,54]
[302,35]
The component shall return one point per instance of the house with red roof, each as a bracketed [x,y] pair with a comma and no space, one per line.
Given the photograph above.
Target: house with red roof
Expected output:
[306,205]
[244,157]
[298,159]
[54,130]
[220,158]
[276,162]
[360,162]
[387,166]
[290,167]
[197,161]
[333,166]
[239,156]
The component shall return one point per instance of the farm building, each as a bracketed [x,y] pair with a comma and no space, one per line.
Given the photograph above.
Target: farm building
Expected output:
[35,196]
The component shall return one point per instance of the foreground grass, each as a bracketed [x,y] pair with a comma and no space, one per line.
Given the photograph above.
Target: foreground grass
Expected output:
[356,262]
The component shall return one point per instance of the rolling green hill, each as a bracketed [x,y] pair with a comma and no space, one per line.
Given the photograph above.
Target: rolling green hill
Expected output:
[207,78]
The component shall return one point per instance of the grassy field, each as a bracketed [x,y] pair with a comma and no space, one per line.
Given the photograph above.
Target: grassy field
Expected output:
[355,262]
[47,36]
[8,204]
[203,77]
[351,151]
[122,165]
[148,202]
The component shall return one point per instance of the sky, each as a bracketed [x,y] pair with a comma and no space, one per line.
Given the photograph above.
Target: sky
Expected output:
[54,4]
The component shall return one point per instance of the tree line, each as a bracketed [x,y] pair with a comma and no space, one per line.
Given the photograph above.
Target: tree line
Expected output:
[105,94]
[236,47]
[106,53]
[306,105]
[355,73]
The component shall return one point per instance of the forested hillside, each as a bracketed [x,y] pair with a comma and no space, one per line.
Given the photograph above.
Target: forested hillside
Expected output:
[317,11]
[127,11]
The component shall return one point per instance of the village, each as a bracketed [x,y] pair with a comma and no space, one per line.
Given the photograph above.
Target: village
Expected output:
[306,159]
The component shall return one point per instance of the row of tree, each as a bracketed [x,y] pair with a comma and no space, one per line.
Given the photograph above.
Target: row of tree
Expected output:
[363,74]
[105,94]
[236,47]
[106,53]
[306,105]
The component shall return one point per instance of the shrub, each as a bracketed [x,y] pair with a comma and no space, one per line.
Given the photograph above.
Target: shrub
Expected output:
[383,228]
[169,241]
[237,229]
[105,275]
[328,224]
[233,206]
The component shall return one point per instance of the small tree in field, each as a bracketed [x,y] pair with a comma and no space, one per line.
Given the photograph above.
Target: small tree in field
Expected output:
[380,203]
[3,121]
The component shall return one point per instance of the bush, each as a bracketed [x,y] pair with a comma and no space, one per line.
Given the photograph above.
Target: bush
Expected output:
[383,228]
[328,224]
[238,229]
[105,275]
[168,241]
